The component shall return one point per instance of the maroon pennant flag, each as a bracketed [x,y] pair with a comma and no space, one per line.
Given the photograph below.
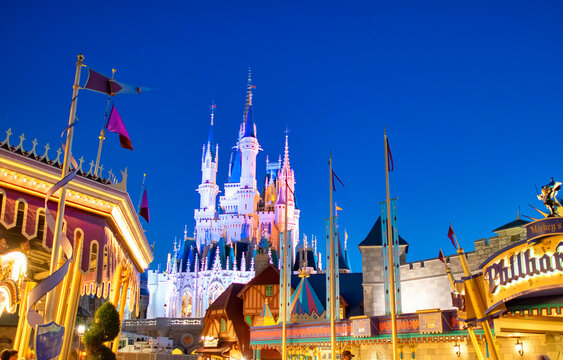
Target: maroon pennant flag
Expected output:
[144,210]
[390,166]
[334,176]
[441,257]
[451,235]
[115,124]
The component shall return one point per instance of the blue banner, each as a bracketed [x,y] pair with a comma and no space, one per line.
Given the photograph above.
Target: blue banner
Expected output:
[49,341]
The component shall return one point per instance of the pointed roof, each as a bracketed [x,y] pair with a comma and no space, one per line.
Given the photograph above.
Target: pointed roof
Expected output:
[235,167]
[269,276]
[249,124]
[374,238]
[265,318]
[351,289]
[304,301]
[516,223]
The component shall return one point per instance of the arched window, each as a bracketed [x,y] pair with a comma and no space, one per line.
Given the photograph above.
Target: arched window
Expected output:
[93,256]
[20,214]
[187,304]
[40,223]
[105,258]
[215,290]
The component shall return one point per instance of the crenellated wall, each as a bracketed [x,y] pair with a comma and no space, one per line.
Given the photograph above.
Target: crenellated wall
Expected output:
[424,283]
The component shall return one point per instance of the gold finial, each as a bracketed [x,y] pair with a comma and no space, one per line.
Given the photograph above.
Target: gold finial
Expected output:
[304,273]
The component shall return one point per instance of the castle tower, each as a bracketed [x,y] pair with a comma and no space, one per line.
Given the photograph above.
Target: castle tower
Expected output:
[208,189]
[287,179]
[249,147]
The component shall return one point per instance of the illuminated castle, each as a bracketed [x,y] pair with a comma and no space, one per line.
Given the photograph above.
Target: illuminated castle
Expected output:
[231,233]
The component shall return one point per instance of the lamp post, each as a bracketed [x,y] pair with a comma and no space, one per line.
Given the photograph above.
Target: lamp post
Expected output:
[80,330]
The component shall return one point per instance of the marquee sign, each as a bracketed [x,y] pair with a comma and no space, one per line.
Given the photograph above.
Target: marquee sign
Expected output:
[528,266]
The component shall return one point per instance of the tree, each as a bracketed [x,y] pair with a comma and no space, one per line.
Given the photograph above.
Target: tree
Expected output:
[104,328]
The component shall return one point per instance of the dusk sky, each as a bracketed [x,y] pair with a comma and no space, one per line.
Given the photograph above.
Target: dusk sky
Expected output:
[470,92]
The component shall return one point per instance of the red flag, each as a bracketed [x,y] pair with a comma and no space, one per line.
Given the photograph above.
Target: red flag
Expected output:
[441,257]
[144,211]
[115,124]
[390,166]
[451,235]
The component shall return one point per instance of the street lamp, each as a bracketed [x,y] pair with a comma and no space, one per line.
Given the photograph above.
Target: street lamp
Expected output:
[457,349]
[80,329]
[519,347]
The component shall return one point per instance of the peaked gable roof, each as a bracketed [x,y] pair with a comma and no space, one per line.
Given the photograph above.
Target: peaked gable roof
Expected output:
[269,276]
[374,238]
[512,224]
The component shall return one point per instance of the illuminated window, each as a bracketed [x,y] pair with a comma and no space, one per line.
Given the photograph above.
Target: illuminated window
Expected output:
[105,258]
[20,215]
[341,313]
[93,256]
[223,326]
[187,304]
[269,290]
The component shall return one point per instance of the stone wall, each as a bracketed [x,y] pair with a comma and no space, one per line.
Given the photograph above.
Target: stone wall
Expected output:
[425,284]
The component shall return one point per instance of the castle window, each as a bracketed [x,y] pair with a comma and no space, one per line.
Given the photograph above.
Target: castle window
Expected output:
[223,326]
[269,290]
[93,256]
[422,264]
[341,313]
[105,257]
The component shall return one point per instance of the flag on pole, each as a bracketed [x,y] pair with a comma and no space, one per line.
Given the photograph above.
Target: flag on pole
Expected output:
[144,210]
[451,235]
[103,84]
[441,257]
[336,208]
[390,166]
[115,124]
[334,176]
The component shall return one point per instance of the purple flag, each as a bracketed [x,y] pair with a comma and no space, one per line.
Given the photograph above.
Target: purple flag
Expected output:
[144,210]
[115,124]
[101,83]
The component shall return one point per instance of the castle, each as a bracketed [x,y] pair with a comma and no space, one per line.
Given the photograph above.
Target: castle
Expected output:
[231,232]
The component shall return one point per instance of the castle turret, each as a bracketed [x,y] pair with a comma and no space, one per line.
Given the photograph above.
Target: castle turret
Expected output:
[208,189]
[249,147]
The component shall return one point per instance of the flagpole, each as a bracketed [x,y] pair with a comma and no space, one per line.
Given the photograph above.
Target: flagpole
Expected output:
[102,136]
[141,197]
[390,255]
[472,291]
[331,268]
[285,279]
[51,296]
[470,329]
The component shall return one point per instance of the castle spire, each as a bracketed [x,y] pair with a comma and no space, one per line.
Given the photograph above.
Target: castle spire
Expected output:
[248,95]
[210,136]
[286,153]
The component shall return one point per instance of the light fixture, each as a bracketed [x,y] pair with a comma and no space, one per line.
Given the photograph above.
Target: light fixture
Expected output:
[80,329]
[519,347]
[457,349]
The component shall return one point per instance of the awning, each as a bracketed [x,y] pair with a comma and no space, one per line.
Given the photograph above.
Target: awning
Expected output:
[213,350]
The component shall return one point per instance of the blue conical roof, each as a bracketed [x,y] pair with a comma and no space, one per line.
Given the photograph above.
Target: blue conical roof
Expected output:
[249,124]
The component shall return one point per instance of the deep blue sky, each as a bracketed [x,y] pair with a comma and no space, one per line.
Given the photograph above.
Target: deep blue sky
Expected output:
[471,94]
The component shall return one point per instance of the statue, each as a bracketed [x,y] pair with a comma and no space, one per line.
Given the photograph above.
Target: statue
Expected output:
[548,196]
